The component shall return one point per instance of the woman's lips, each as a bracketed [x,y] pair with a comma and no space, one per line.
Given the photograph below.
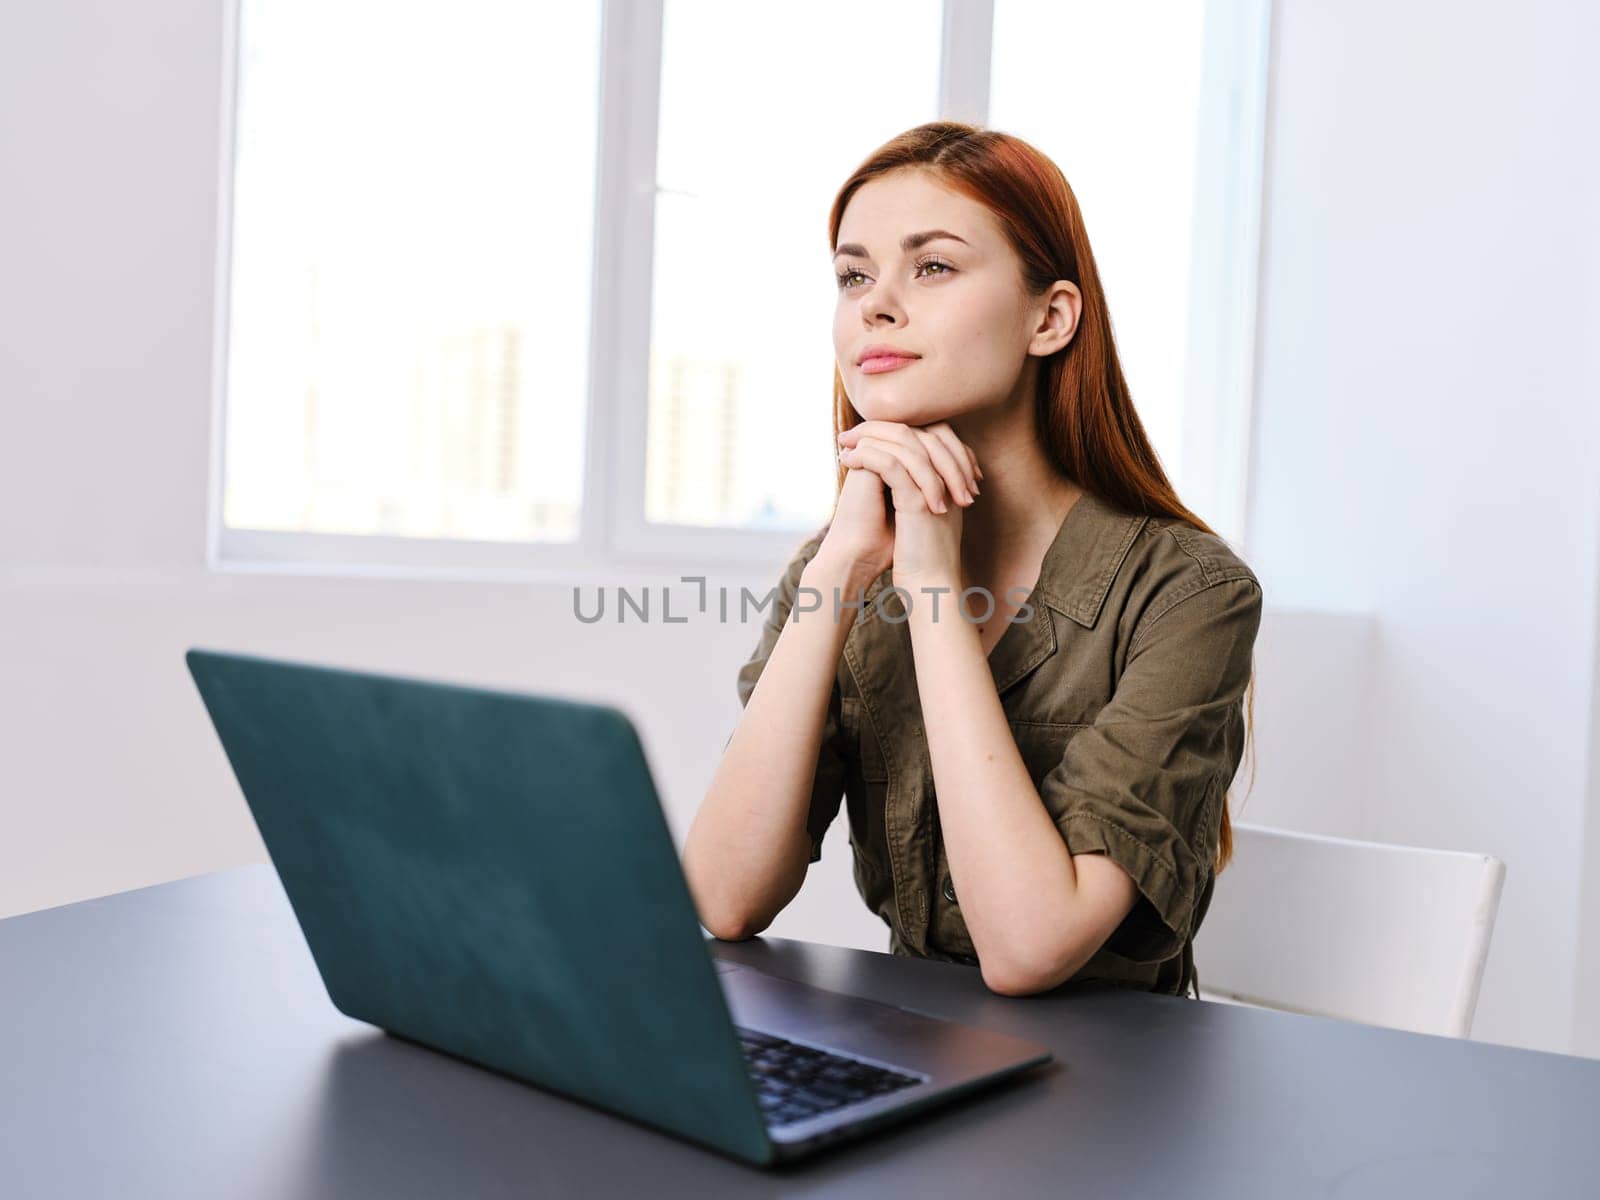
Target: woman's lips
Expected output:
[886,362]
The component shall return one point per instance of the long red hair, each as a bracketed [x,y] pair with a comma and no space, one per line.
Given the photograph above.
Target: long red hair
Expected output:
[1085,415]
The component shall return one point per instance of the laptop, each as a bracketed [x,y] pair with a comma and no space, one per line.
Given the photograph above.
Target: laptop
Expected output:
[490,874]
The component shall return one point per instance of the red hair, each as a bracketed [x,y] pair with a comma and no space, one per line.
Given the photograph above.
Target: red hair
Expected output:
[1084,414]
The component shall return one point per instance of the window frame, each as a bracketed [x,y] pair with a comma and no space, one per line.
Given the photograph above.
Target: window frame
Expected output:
[1219,432]
[613,532]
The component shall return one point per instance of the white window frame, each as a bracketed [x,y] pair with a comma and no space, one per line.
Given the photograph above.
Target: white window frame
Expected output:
[1224,314]
[613,532]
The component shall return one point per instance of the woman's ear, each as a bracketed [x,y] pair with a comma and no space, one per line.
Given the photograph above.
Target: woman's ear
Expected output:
[1063,306]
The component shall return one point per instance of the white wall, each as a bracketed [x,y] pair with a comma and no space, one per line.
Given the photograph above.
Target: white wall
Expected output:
[1429,437]
[1389,383]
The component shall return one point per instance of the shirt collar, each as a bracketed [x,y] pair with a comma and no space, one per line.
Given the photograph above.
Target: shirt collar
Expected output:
[1084,558]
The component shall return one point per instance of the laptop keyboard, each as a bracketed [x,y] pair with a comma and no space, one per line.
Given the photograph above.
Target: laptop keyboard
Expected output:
[795,1081]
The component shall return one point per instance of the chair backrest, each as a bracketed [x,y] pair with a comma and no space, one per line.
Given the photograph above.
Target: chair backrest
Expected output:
[1385,935]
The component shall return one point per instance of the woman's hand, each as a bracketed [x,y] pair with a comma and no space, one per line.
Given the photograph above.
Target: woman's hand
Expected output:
[926,467]
[860,537]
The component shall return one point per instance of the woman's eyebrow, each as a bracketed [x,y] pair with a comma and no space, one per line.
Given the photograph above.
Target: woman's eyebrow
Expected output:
[907,244]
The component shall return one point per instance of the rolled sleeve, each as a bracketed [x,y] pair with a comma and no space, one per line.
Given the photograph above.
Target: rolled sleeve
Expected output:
[827,786]
[1144,784]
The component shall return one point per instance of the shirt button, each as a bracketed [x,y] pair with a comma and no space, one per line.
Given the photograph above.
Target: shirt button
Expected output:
[949,891]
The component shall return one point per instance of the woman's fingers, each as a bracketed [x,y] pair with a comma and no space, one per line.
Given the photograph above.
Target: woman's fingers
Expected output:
[919,442]
[960,453]
[934,459]
[942,428]
[955,474]
[903,469]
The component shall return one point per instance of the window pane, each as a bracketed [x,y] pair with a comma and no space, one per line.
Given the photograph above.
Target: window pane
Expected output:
[1111,92]
[413,211]
[762,118]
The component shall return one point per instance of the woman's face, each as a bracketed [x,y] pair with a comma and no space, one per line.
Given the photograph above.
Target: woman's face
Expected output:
[958,305]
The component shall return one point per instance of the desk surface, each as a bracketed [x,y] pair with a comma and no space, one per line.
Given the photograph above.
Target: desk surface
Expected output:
[176,1041]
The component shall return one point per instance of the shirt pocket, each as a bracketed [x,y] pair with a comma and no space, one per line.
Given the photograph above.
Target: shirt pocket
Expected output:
[863,739]
[1042,744]
[867,793]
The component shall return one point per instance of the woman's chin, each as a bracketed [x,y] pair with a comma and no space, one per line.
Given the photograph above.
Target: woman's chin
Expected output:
[908,412]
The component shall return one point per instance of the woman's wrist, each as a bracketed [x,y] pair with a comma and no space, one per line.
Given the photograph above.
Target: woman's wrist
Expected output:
[838,582]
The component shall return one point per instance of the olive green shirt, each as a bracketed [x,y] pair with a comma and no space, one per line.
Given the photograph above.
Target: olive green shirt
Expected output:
[1121,676]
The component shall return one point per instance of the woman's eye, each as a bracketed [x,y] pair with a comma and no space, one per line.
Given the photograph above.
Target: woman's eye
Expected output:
[844,276]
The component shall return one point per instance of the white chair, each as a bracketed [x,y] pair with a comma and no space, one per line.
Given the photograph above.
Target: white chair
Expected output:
[1385,935]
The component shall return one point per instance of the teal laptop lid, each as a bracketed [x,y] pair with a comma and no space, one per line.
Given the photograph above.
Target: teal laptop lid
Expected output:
[490,874]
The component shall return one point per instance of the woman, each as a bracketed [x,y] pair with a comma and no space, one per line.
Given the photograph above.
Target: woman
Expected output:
[1036,779]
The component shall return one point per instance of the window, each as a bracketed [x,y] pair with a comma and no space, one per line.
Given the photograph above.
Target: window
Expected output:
[753,145]
[525,286]
[413,220]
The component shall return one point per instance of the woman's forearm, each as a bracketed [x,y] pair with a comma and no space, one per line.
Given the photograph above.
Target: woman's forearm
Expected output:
[1011,868]
[747,851]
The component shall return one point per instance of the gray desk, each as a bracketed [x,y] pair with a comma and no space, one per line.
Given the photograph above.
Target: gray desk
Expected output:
[176,1041]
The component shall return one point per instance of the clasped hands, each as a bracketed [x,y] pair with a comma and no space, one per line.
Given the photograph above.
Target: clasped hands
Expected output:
[925,468]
